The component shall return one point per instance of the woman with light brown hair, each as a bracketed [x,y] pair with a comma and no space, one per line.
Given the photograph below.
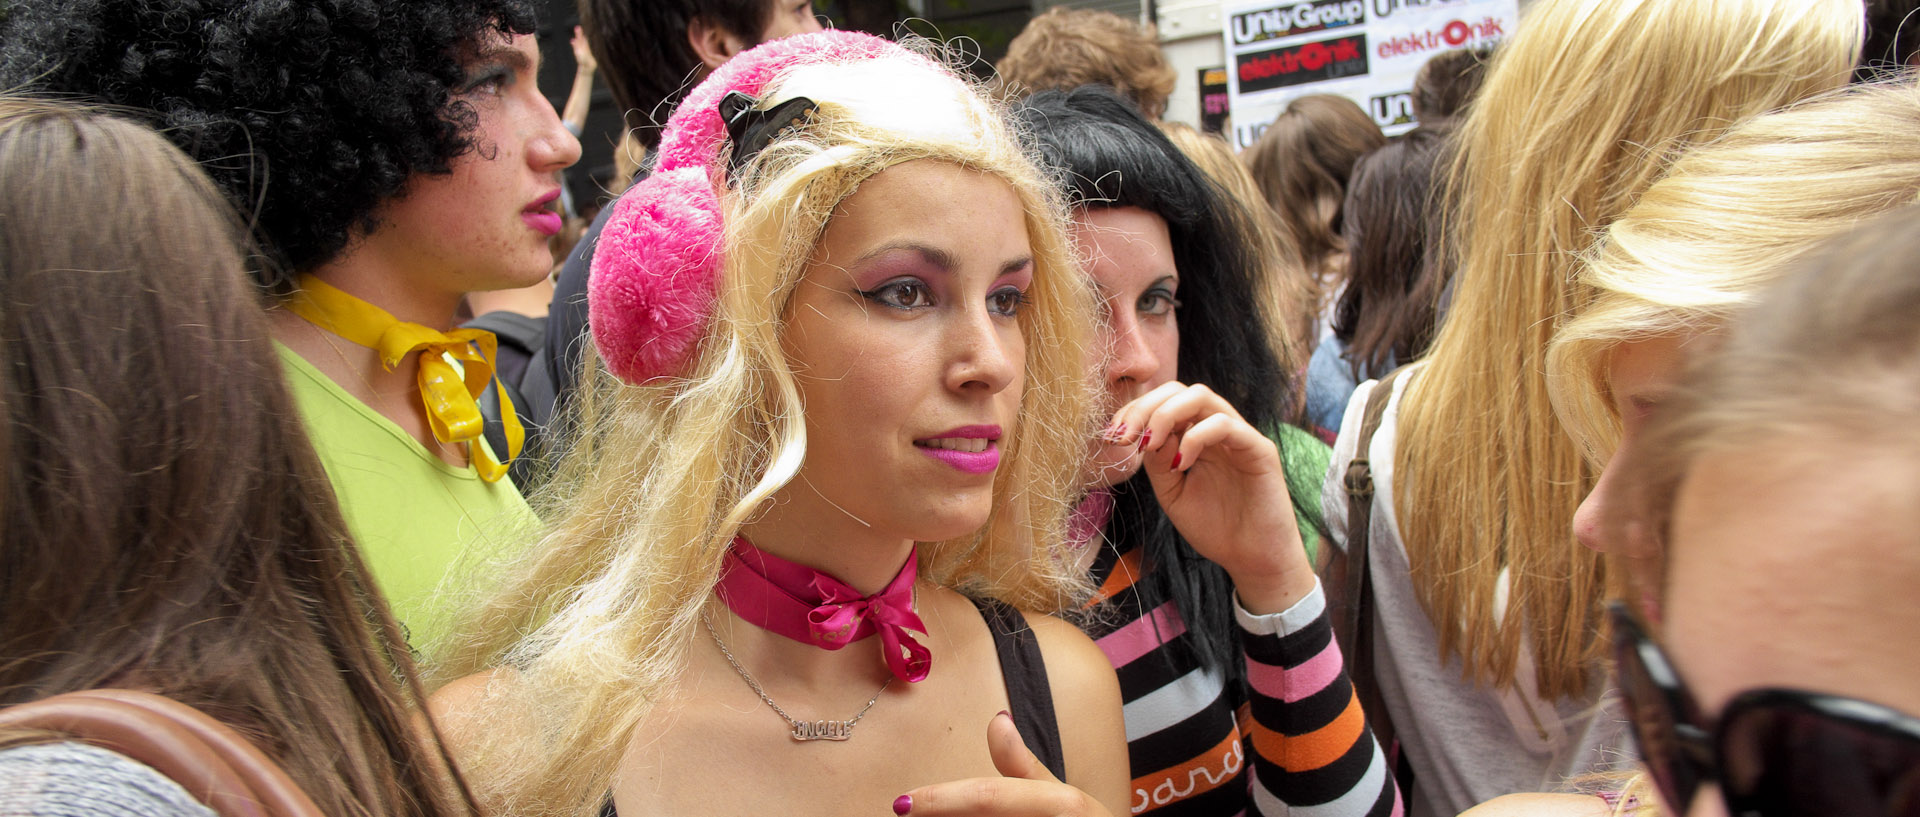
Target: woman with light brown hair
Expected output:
[1488,613]
[1302,162]
[164,522]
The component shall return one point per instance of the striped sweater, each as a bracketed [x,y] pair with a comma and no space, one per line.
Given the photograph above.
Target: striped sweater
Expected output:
[1191,738]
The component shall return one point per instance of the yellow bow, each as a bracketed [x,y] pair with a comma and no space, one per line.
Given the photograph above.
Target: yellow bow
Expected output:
[450,394]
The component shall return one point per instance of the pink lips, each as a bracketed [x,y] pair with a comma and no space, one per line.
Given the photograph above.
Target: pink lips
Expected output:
[537,216]
[971,462]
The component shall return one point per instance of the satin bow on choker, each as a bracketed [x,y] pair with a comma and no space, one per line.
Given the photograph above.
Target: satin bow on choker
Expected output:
[812,607]
[451,395]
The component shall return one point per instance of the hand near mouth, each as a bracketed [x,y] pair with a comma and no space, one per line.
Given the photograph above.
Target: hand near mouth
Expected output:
[1221,483]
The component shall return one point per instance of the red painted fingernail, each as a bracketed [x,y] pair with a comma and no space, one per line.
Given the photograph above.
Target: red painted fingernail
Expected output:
[1146,438]
[1176,461]
[903,804]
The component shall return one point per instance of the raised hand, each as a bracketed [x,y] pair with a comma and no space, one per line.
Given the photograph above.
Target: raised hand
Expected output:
[1221,483]
[582,55]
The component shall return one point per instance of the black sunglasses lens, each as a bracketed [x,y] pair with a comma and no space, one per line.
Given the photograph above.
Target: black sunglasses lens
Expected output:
[1653,710]
[1791,760]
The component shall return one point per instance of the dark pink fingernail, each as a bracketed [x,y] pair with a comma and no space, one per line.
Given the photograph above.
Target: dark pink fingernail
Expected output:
[1146,438]
[903,804]
[1006,713]
[1176,461]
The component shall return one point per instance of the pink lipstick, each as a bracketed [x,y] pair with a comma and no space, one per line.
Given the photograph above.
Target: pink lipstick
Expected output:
[970,449]
[541,219]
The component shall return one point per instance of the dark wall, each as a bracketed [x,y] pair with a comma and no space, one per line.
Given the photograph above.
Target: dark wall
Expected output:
[990,24]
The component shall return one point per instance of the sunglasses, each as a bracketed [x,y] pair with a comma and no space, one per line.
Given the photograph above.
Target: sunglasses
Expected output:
[1774,752]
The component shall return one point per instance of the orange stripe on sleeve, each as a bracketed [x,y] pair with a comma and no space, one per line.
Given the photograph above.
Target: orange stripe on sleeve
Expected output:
[1316,749]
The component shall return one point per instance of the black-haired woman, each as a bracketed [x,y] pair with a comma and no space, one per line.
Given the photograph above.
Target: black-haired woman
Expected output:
[1217,627]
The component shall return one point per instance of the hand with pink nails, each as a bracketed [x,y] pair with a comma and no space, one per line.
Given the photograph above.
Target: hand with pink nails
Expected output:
[1221,483]
[1024,789]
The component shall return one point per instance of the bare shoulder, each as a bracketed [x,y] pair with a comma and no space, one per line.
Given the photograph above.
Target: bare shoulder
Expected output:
[1541,805]
[1069,651]
[470,707]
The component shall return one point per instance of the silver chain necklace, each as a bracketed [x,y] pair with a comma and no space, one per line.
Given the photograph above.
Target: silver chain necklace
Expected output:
[802,730]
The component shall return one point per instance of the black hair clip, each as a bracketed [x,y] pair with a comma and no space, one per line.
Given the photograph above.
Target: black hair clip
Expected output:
[752,129]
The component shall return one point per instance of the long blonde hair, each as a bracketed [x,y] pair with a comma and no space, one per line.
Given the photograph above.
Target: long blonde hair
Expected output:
[1730,219]
[594,618]
[1582,109]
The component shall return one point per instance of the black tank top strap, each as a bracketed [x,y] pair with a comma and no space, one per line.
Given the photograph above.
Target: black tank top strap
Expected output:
[1028,693]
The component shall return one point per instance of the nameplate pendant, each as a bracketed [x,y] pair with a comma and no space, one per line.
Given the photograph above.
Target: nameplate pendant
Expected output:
[823,730]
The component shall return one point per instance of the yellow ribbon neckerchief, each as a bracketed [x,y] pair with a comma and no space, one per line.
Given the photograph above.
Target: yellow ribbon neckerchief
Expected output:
[450,395]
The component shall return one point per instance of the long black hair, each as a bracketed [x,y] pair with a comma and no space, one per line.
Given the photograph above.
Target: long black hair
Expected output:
[308,116]
[1108,155]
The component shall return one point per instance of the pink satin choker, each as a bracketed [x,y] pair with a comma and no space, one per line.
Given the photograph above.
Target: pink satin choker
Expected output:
[812,607]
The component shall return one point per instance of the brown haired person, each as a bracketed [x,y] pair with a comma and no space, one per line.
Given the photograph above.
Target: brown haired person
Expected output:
[1302,162]
[162,527]
[383,188]
[1066,48]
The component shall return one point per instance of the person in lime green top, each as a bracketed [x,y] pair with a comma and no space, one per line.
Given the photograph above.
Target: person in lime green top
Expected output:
[392,157]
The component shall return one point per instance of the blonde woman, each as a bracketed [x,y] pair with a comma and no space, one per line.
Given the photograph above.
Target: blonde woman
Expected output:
[847,335]
[1779,481]
[1487,613]
[1703,243]
[1732,218]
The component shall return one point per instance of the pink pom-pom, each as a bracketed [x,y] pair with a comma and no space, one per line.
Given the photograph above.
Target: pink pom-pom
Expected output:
[652,286]
[656,269]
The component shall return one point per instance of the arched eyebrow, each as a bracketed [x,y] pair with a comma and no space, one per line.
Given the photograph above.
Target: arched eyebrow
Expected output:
[506,55]
[933,256]
[938,258]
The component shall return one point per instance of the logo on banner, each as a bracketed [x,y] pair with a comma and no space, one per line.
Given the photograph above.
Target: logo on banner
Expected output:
[1392,109]
[1304,18]
[1385,8]
[1452,35]
[1300,64]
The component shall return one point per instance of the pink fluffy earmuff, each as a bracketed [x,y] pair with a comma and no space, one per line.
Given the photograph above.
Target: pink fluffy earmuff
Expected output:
[657,266]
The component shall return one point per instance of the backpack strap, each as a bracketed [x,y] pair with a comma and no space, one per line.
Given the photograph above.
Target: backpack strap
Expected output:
[221,769]
[1348,579]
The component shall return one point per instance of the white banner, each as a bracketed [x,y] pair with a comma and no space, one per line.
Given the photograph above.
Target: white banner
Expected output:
[1365,50]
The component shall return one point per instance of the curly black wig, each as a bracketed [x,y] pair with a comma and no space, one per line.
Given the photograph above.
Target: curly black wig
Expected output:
[1108,155]
[307,114]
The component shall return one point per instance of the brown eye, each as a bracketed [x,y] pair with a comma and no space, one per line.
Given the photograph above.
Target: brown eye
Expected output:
[903,294]
[1007,301]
